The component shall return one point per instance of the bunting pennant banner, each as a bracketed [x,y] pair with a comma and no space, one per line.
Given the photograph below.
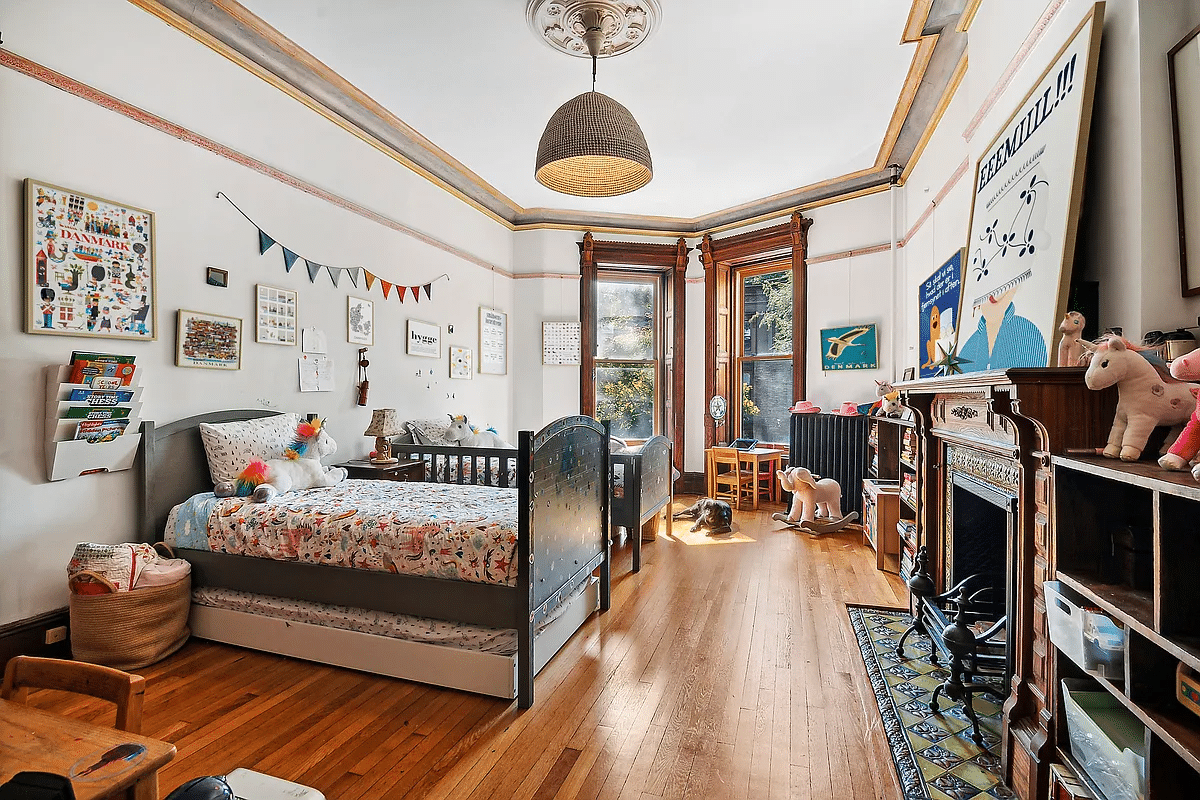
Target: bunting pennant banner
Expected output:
[289,259]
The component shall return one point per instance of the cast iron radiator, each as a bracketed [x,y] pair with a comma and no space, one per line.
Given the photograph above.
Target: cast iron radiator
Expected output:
[833,446]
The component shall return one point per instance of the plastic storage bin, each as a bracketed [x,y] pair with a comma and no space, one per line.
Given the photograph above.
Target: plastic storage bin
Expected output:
[1089,638]
[1107,741]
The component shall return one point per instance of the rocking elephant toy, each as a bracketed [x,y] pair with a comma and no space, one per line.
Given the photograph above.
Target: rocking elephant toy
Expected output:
[816,502]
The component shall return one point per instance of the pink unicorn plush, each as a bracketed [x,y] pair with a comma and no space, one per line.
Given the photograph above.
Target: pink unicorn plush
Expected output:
[1186,368]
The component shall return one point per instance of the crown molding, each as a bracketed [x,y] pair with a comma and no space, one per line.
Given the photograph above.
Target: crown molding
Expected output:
[229,29]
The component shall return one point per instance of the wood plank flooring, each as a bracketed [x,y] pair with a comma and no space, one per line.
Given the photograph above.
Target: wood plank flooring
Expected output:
[725,669]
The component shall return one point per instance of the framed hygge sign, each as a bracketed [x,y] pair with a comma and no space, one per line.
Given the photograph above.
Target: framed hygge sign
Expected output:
[210,341]
[424,339]
[1025,213]
[89,265]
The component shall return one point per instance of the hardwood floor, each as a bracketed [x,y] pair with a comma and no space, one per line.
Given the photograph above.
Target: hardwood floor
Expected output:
[725,669]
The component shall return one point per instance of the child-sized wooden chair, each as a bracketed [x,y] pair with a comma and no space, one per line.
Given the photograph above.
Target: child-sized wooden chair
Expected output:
[730,481]
[125,691]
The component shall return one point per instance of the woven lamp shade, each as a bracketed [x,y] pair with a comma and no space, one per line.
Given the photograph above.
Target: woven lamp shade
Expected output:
[593,147]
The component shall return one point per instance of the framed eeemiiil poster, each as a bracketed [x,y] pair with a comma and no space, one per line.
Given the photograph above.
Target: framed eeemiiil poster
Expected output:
[1025,209]
[849,347]
[89,265]
[939,300]
[209,341]
[424,340]
[493,341]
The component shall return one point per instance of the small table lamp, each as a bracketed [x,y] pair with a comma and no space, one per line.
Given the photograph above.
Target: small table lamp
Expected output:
[385,422]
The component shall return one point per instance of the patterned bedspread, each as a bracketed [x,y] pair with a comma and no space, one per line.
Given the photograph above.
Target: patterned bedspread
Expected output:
[437,530]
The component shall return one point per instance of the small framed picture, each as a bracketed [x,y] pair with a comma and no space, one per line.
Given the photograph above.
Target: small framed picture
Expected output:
[461,359]
[209,341]
[424,339]
[910,373]
[360,321]
[214,276]
[274,315]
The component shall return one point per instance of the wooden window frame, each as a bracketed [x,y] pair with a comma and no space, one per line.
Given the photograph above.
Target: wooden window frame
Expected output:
[739,323]
[721,257]
[670,262]
[655,281]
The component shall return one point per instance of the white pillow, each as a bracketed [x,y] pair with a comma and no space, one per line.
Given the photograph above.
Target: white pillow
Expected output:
[230,446]
[429,431]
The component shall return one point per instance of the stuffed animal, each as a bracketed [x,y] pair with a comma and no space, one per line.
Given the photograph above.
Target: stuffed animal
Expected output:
[888,403]
[1186,368]
[300,468]
[1070,346]
[716,515]
[1147,395]
[464,434]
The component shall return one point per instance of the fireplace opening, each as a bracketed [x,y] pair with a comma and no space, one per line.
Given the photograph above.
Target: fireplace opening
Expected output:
[982,521]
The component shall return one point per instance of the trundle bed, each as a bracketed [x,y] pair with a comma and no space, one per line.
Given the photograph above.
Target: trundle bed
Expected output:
[554,523]
[641,486]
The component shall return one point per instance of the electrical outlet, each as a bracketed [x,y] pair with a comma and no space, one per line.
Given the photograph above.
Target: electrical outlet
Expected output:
[56,635]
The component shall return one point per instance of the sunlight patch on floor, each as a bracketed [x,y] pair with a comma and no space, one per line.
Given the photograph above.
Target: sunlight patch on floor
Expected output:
[680,533]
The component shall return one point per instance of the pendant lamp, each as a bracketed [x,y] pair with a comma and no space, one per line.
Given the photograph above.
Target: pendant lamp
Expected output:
[592,145]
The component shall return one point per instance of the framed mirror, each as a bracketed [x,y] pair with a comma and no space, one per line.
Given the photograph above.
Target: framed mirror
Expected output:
[1183,66]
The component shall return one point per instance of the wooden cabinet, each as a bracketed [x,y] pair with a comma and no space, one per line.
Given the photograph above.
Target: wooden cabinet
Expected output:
[398,471]
[881,512]
[1125,537]
[894,446]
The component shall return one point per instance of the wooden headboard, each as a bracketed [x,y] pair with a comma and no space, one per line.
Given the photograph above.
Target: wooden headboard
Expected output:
[173,466]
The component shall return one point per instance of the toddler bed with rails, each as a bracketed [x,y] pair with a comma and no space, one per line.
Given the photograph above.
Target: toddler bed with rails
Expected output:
[641,486]
[471,587]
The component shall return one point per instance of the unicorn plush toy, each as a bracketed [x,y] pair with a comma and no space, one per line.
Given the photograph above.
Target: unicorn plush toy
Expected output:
[1186,368]
[1147,395]
[300,468]
[464,434]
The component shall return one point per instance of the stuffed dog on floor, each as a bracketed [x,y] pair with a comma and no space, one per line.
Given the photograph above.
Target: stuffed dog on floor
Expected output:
[716,515]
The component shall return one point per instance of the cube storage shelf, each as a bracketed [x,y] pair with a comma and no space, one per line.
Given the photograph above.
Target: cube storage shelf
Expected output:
[68,457]
[1126,540]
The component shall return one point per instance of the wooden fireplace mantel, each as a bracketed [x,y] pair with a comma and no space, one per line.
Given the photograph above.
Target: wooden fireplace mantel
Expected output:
[1004,425]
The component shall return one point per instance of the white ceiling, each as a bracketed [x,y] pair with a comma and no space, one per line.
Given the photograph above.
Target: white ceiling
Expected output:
[738,100]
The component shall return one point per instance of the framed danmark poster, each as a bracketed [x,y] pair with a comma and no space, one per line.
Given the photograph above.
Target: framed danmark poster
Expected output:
[210,341]
[89,265]
[849,347]
[1025,207]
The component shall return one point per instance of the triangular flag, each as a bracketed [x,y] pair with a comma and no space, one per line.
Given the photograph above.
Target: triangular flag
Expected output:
[289,258]
[387,287]
[353,273]
[334,274]
[370,279]
[416,293]
[265,242]
[400,291]
[426,288]
[313,269]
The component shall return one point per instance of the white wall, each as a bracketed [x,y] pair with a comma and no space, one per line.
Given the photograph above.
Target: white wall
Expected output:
[59,138]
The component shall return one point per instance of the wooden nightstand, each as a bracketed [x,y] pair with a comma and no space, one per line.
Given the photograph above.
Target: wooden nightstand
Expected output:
[397,471]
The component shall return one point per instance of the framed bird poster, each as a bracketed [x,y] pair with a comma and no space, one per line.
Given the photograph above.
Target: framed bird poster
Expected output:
[849,347]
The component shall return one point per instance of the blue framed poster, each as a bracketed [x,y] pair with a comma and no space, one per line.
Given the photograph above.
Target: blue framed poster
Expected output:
[849,347]
[940,299]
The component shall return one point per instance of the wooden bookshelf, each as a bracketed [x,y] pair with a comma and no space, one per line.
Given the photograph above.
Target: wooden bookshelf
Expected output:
[1125,542]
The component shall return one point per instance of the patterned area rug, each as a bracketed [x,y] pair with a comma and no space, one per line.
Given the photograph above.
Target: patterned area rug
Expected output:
[934,755]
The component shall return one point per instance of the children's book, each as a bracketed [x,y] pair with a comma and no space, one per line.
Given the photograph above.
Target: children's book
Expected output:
[97,397]
[100,430]
[88,412]
[82,355]
[86,372]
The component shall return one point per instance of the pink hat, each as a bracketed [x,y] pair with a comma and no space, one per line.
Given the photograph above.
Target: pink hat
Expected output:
[805,407]
[848,409]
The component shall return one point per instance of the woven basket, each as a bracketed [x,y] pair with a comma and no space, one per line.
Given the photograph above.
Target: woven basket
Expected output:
[129,630]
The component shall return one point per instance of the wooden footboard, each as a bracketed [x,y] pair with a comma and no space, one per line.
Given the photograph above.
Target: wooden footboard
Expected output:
[642,490]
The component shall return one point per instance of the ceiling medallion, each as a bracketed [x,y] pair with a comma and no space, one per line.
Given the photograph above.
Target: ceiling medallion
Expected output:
[559,23]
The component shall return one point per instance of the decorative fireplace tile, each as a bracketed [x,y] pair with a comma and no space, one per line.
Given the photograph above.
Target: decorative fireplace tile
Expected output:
[934,755]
